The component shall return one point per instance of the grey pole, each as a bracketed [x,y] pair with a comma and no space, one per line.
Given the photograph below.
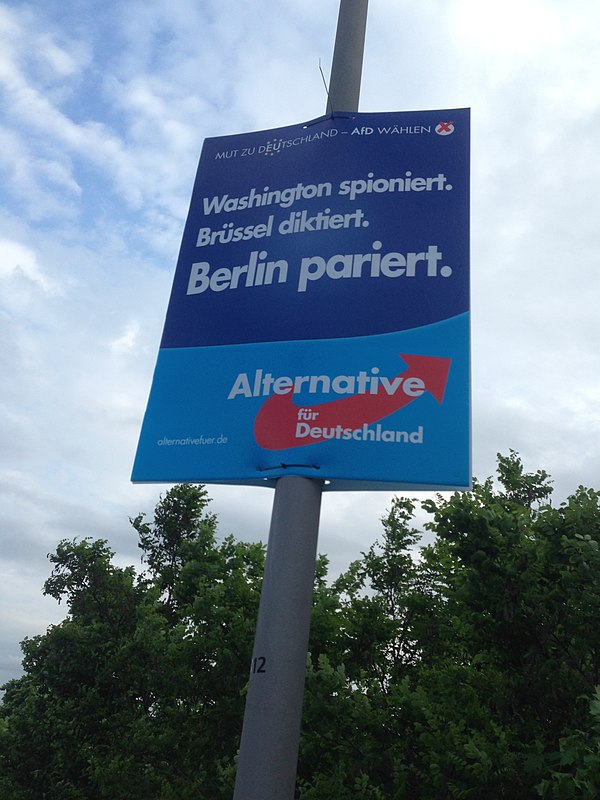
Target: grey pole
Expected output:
[346,68]
[270,736]
[268,753]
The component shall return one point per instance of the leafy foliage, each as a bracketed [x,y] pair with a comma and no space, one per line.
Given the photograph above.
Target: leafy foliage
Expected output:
[464,668]
[137,693]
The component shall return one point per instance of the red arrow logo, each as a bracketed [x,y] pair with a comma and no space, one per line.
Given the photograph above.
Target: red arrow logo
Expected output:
[276,424]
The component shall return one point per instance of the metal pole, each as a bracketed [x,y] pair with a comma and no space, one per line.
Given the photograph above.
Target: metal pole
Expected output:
[346,68]
[268,753]
[271,732]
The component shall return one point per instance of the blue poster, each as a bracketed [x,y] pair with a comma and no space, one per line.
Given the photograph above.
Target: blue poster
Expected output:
[318,323]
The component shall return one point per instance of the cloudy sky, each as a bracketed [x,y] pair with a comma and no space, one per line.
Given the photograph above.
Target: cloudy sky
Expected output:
[103,111]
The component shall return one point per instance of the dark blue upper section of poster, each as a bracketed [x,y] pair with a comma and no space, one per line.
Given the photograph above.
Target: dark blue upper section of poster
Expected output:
[346,226]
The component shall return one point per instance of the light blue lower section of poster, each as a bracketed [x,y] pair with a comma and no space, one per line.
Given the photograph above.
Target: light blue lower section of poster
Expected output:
[199,425]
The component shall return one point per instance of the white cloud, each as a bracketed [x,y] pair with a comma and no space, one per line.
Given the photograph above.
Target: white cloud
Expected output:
[21,274]
[508,30]
[127,341]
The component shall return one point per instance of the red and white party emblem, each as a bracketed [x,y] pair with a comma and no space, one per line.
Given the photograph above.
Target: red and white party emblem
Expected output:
[445,128]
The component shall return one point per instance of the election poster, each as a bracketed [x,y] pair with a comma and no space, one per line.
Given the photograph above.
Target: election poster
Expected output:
[318,323]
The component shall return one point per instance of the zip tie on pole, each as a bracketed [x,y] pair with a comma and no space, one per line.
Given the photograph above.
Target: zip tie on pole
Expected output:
[321,120]
[288,466]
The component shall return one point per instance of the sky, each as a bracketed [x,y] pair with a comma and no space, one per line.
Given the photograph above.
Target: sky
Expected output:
[103,111]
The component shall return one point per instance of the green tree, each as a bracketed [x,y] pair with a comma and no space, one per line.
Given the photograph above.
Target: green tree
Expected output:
[465,668]
[136,694]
